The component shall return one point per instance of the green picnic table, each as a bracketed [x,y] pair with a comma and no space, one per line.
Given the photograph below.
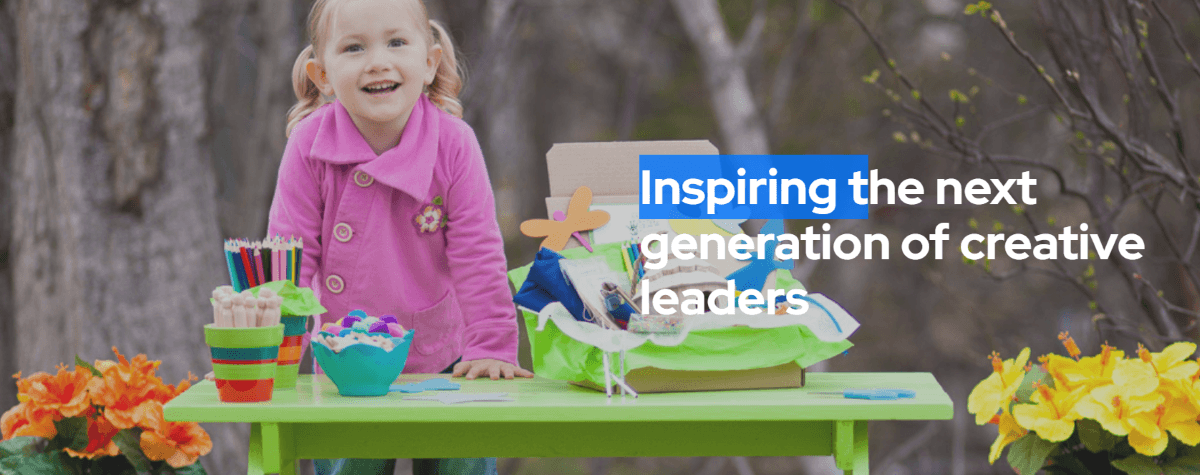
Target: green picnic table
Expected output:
[555,419]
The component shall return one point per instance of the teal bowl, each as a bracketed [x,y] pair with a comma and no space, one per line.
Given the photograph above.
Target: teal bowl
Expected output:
[364,370]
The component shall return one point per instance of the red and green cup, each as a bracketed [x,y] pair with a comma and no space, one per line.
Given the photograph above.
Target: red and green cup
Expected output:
[244,361]
[290,351]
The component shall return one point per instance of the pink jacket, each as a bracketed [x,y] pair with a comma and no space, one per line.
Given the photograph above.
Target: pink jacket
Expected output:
[411,232]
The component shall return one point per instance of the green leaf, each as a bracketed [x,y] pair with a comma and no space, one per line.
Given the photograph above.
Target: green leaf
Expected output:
[129,441]
[72,433]
[1028,454]
[95,372]
[1035,374]
[112,465]
[1094,437]
[193,469]
[21,446]
[50,463]
[1138,464]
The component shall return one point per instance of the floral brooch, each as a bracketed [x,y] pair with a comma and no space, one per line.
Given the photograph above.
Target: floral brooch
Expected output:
[432,217]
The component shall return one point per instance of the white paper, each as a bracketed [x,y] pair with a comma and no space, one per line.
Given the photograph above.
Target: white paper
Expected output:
[588,276]
[621,217]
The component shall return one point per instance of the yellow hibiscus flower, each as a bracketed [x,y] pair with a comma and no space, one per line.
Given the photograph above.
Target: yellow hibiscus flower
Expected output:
[1176,416]
[1090,371]
[997,390]
[1052,414]
[1010,431]
[1132,395]
[1173,363]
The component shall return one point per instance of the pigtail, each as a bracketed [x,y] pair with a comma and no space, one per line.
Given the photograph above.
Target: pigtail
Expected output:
[449,79]
[309,97]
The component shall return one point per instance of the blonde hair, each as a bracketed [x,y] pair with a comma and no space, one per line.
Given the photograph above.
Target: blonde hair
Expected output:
[443,91]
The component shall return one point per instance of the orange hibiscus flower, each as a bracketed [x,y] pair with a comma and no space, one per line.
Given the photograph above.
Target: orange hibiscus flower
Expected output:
[100,439]
[164,393]
[125,388]
[65,393]
[17,423]
[179,443]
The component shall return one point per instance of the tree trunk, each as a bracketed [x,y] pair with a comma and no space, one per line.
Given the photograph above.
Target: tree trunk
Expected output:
[123,112]
[742,127]
[8,88]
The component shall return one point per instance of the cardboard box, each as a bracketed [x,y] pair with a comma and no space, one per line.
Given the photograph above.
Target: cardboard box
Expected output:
[657,380]
[611,169]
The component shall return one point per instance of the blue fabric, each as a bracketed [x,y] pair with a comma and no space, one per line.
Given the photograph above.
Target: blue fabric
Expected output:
[471,466]
[546,283]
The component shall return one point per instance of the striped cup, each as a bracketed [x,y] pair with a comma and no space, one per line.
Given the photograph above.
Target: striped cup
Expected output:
[290,351]
[244,361]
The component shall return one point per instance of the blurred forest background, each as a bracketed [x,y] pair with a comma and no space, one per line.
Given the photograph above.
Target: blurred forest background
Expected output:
[136,134]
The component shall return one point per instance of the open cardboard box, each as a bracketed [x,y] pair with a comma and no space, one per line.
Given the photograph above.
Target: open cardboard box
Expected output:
[658,380]
[611,169]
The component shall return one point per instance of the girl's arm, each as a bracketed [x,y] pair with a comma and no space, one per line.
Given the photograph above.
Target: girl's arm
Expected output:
[475,250]
[297,206]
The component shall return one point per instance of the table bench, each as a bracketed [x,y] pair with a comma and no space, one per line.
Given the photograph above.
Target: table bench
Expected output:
[555,419]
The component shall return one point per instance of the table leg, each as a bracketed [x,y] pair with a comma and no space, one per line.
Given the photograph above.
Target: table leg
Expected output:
[850,447]
[278,449]
[255,462]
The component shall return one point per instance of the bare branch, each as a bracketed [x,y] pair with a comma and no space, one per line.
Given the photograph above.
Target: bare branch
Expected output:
[1187,55]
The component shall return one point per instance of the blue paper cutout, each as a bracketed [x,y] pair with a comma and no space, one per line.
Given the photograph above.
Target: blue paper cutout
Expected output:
[435,384]
[457,398]
[754,274]
[357,313]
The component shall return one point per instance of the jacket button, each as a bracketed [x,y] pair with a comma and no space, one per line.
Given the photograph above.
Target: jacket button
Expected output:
[362,179]
[342,232]
[335,284]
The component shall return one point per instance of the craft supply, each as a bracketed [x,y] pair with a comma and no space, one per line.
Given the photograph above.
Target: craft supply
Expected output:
[225,319]
[458,398]
[233,278]
[629,270]
[239,311]
[618,304]
[560,216]
[578,218]
[299,259]
[434,384]
[754,274]
[359,321]
[873,394]
[338,343]
[253,263]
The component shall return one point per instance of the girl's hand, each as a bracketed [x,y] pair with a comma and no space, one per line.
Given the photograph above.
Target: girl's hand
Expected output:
[492,368]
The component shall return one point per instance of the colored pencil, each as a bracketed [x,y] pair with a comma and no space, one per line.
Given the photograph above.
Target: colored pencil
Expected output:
[299,261]
[266,258]
[233,279]
[258,264]
[249,270]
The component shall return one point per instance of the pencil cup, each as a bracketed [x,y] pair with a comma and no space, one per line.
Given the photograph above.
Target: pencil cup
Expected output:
[290,352]
[244,361]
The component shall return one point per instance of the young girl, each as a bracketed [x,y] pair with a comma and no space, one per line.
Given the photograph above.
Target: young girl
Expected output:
[388,188]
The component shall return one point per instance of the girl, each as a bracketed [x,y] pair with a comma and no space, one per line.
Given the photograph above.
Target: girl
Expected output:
[387,186]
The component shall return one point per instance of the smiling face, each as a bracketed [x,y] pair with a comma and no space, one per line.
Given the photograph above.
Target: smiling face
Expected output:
[377,59]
